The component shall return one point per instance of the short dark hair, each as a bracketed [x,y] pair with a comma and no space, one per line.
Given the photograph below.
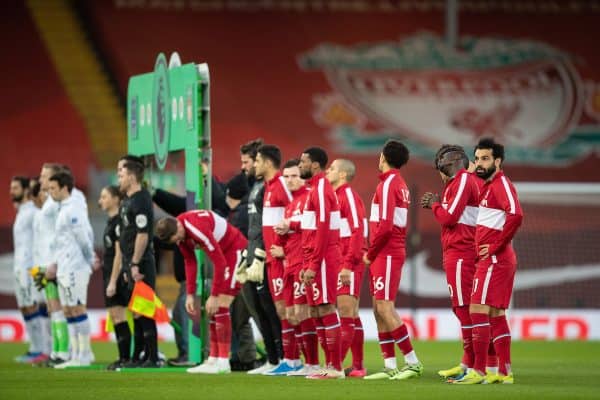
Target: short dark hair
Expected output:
[490,144]
[23,181]
[294,162]
[136,169]
[165,229]
[35,189]
[114,191]
[451,148]
[318,155]
[251,148]
[271,152]
[396,154]
[132,158]
[63,179]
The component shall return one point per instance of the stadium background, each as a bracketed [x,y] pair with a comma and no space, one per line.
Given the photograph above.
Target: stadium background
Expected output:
[343,75]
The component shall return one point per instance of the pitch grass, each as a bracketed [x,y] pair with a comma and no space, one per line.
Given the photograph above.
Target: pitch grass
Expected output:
[543,370]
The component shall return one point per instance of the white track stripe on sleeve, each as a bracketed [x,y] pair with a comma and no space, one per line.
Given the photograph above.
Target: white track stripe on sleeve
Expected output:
[461,189]
[511,199]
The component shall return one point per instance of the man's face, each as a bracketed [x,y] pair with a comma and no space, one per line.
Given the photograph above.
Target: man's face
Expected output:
[247,165]
[17,192]
[292,178]
[333,173]
[179,235]
[45,175]
[124,178]
[381,162]
[305,166]
[55,191]
[260,165]
[485,163]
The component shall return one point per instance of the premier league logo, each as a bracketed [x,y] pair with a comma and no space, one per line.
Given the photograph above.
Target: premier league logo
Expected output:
[161,123]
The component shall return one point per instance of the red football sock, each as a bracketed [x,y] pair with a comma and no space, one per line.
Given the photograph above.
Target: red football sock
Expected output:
[462,313]
[492,358]
[481,340]
[386,342]
[214,343]
[322,339]
[299,348]
[309,339]
[402,339]
[501,339]
[331,323]
[288,340]
[223,328]
[347,328]
[358,344]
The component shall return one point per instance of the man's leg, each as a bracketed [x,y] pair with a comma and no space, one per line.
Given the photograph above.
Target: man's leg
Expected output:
[181,318]
[346,305]
[58,325]
[501,339]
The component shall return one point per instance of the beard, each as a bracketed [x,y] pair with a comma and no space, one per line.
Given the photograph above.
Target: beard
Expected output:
[17,198]
[305,174]
[484,173]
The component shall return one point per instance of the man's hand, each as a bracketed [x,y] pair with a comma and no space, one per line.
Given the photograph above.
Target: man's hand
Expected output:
[212,305]
[308,276]
[190,304]
[428,199]
[51,272]
[484,250]
[135,273]
[111,289]
[283,227]
[277,251]
[366,260]
[241,270]
[256,271]
[345,276]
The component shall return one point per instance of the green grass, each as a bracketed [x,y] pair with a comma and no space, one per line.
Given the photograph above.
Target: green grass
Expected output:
[543,370]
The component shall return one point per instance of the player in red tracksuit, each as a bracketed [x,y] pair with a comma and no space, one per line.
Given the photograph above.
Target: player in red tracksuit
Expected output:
[385,258]
[289,248]
[499,217]
[456,212]
[320,243]
[223,244]
[353,229]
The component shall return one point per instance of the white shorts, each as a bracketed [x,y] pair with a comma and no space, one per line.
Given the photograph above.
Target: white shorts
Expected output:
[73,287]
[25,291]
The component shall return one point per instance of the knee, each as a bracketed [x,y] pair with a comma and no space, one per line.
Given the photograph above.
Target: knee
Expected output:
[382,309]
[345,310]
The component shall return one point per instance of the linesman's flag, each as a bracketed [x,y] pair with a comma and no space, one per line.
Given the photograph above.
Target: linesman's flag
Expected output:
[145,302]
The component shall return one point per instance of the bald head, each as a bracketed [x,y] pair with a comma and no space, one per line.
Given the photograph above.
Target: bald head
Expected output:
[341,171]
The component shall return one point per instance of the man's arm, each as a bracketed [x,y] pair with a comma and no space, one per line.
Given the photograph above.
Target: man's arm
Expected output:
[357,240]
[386,223]
[455,209]
[514,216]
[322,220]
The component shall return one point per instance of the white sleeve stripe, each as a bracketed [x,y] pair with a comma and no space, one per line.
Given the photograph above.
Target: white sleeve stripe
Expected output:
[386,190]
[321,193]
[511,200]
[287,191]
[352,204]
[199,235]
[461,188]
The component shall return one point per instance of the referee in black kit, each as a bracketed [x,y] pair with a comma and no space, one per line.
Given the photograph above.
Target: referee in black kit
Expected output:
[135,240]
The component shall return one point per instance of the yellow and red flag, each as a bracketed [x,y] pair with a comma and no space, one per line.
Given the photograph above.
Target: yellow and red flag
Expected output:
[145,302]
